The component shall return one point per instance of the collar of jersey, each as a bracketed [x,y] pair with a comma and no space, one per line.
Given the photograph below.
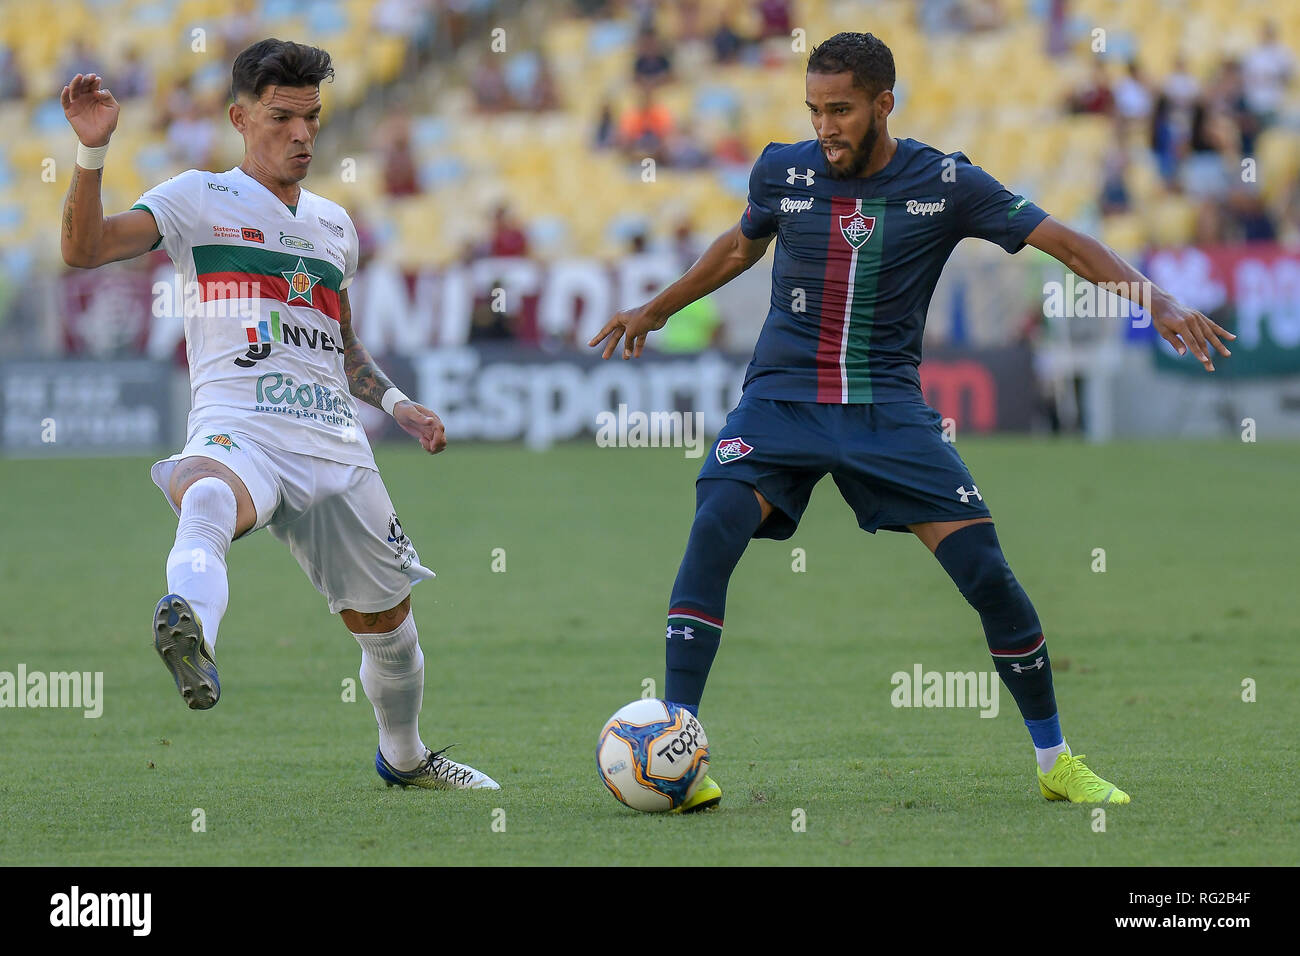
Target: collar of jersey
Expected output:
[280,202]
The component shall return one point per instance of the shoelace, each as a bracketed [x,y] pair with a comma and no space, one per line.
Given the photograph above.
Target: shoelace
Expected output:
[1078,771]
[445,768]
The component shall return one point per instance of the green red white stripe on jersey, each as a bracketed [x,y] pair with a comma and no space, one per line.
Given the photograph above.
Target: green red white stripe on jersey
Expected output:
[225,272]
[853,247]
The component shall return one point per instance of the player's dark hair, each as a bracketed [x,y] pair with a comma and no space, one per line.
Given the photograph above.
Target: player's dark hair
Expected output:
[862,54]
[280,63]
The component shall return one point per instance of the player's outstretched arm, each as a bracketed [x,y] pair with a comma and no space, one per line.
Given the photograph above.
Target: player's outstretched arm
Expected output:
[368,383]
[729,255]
[88,239]
[1090,259]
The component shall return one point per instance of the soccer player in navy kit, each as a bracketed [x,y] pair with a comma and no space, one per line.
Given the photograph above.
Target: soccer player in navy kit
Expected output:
[865,223]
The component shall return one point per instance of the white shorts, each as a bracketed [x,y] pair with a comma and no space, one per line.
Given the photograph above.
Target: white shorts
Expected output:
[337,519]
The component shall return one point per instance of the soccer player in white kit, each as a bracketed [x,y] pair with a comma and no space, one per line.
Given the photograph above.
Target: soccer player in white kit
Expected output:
[273,437]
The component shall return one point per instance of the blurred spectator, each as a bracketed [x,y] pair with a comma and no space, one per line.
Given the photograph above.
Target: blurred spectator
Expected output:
[606,130]
[984,14]
[652,65]
[488,322]
[1268,69]
[191,136]
[593,9]
[1166,141]
[684,149]
[1094,96]
[80,58]
[775,18]
[401,178]
[1249,220]
[491,92]
[1132,96]
[730,148]
[961,16]
[690,22]
[531,82]
[1057,17]
[545,94]
[1180,86]
[134,79]
[1114,199]
[1204,171]
[11,77]
[644,129]
[728,44]
[239,28]
[179,102]
[508,238]
[1230,94]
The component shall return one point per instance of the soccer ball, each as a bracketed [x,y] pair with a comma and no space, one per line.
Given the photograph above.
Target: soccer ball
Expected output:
[652,755]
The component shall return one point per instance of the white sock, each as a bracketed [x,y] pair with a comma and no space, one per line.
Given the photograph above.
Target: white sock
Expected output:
[196,566]
[1047,757]
[392,675]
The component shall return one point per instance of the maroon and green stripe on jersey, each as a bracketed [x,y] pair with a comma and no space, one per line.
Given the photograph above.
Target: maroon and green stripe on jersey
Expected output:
[848,299]
[290,277]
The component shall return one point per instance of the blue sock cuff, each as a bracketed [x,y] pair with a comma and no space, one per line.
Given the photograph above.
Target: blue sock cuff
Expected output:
[1046,732]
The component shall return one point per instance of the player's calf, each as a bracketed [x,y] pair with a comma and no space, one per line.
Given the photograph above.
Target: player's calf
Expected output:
[973,558]
[727,513]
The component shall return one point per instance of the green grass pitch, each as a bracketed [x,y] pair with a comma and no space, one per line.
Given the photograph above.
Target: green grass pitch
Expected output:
[1199,593]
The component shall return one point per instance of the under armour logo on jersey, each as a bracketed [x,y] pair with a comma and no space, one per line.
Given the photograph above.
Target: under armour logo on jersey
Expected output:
[791,176]
[687,633]
[1038,664]
[965,495]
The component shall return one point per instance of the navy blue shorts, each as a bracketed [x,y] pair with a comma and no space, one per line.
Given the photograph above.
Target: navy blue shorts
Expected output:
[889,461]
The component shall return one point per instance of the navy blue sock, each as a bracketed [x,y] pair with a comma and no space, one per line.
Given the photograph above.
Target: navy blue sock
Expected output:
[973,559]
[726,515]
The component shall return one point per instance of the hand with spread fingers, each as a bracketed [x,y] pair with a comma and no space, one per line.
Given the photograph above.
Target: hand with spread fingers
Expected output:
[1186,329]
[631,326]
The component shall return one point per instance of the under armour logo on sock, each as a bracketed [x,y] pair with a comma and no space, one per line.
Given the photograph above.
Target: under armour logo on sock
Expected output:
[1038,664]
[687,633]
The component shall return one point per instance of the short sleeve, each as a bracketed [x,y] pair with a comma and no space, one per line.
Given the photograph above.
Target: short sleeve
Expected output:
[353,253]
[758,221]
[988,210]
[174,205]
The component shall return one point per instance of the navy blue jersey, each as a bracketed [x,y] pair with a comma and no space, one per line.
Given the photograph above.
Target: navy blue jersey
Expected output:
[857,261]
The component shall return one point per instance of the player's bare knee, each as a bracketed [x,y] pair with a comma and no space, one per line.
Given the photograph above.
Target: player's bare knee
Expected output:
[376,622]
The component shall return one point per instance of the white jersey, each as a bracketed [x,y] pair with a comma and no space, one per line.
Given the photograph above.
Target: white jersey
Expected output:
[262,310]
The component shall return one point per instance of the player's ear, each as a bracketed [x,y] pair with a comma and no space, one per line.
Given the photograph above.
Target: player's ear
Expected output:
[885,103]
[238,115]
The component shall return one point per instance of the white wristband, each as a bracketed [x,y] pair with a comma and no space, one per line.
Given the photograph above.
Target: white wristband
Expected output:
[391,398]
[91,157]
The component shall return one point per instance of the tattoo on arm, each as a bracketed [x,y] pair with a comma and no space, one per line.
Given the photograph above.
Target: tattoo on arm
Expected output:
[70,204]
[365,380]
